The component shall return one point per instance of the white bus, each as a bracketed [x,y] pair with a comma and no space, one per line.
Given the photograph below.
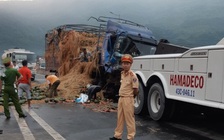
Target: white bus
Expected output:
[19,55]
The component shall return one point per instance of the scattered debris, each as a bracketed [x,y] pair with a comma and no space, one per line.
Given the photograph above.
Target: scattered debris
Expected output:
[101,106]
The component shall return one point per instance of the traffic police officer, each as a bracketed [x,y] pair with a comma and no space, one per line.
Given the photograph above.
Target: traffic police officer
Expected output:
[9,77]
[128,90]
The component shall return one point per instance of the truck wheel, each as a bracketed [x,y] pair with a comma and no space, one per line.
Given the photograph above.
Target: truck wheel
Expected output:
[156,102]
[140,101]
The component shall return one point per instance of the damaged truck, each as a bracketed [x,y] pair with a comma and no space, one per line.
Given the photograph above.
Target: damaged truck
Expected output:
[116,37]
[126,37]
[121,37]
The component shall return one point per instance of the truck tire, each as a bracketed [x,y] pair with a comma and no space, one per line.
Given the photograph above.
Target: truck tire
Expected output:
[140,101]
[156,102]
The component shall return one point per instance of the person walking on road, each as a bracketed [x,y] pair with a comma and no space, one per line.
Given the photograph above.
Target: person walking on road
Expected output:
[9,77]
[25,82]
[53,82]
[128,90]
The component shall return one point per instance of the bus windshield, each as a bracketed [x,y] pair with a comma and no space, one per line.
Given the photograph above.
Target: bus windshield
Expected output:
[19,57]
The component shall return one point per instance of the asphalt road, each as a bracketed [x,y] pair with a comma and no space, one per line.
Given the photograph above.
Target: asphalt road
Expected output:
[40,78]
[73,121]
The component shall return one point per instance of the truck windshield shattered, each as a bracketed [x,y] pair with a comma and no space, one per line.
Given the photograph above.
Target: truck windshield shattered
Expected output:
[126,45]
[125,37]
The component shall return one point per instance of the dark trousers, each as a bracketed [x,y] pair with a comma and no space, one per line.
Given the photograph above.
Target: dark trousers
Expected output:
[9,92]
[53,89]
[93,89]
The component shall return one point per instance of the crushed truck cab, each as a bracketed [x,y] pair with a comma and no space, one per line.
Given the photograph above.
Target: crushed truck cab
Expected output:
[121,37]
[125,37]
[191,76]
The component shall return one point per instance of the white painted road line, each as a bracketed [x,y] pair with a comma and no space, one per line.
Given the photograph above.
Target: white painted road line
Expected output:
[27,134]
[42,123]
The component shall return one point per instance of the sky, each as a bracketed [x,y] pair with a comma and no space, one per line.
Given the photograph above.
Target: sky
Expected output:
[72,11]
[162,16]
[79,10]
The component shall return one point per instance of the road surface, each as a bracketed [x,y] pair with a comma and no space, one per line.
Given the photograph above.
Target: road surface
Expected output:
[71,121]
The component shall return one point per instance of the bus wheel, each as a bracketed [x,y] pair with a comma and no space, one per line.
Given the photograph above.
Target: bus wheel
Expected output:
[140,102]
[156,102]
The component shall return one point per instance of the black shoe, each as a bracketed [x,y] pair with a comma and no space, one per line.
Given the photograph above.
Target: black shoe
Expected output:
[114,138]
[22,116]
[8,117]
[1,131]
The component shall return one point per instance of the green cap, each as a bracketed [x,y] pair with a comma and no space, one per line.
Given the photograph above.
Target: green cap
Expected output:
[6,60]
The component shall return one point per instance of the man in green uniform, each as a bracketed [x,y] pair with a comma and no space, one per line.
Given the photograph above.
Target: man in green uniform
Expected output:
[10,77]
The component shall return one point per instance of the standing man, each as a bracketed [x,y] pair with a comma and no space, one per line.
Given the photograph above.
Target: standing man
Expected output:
[9,78]
[25,82]
[128,90]
[53,82]
[85,56]
[15,66]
